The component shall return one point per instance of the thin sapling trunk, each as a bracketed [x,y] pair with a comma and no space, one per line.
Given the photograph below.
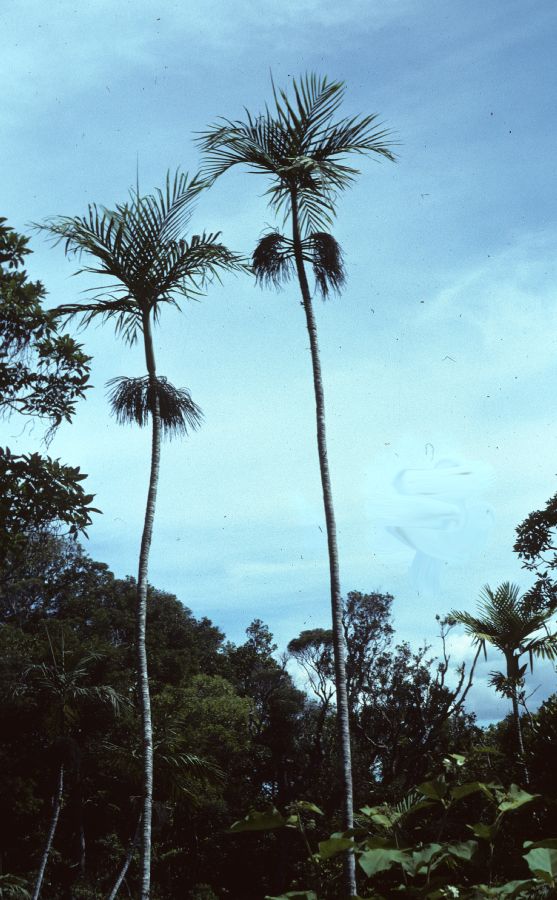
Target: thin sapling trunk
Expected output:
[56,807]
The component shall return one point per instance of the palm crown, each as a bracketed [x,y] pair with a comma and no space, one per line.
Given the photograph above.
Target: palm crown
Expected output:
[508,622]
[140,246]
[299,146]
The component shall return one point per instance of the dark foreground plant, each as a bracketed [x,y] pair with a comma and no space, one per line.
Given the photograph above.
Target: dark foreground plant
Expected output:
[395,850]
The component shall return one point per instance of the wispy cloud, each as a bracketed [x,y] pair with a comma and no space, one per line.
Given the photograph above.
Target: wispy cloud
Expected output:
[65,47]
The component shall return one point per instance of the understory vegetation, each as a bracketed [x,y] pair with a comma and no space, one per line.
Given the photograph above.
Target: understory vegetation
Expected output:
[439,800]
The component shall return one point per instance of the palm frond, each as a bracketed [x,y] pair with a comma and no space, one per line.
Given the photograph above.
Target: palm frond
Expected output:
[133,400]
[543,647]
[509,622]
[191,764]
[141,248]
[272,260]
[503,685]
[13,887]
[124,311]
[479,629]
[299,146]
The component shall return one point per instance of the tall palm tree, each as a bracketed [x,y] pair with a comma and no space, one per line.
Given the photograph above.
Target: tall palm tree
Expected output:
[140,246]
[511,624]
[301,148]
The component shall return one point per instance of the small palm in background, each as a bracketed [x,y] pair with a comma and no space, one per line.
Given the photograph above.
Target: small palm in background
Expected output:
[65,688]
[515,627]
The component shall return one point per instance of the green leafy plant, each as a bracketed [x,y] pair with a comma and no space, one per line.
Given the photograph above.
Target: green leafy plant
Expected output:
[391,845]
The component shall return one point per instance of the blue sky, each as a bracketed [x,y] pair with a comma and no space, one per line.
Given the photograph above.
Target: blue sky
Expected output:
[449,253]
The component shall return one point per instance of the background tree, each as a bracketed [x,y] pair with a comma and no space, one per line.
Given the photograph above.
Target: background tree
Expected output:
[80,598]
[301,148]
[43,373]
[141,246]
[238,708]
[536,546]
[403,712]
[313,651]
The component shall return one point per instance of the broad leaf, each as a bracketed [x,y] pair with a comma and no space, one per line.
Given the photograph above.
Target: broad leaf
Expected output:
[471,787]
[516,798]
[295,895]
[542,861]
[462,849]
[259,821]
[486,832]
[306,806]
[436,789]
[334,845]
[381,859]
[551,843]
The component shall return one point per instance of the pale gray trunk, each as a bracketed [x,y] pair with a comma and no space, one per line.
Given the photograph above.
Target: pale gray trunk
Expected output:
[57,805]
[336,598]
[141,621]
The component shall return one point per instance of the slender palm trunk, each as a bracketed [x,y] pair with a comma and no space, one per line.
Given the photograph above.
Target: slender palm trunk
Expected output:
[141,622]
[519,738]
[57,805]
[512,676]
[336,598]
[126,864]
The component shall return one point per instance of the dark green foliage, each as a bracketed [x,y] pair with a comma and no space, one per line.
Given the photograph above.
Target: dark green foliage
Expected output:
[38,493]
[428,844]
[13,888]
[233,709]
[535,545]
[42,372]
[215,709]
[404,711]
[132,401]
